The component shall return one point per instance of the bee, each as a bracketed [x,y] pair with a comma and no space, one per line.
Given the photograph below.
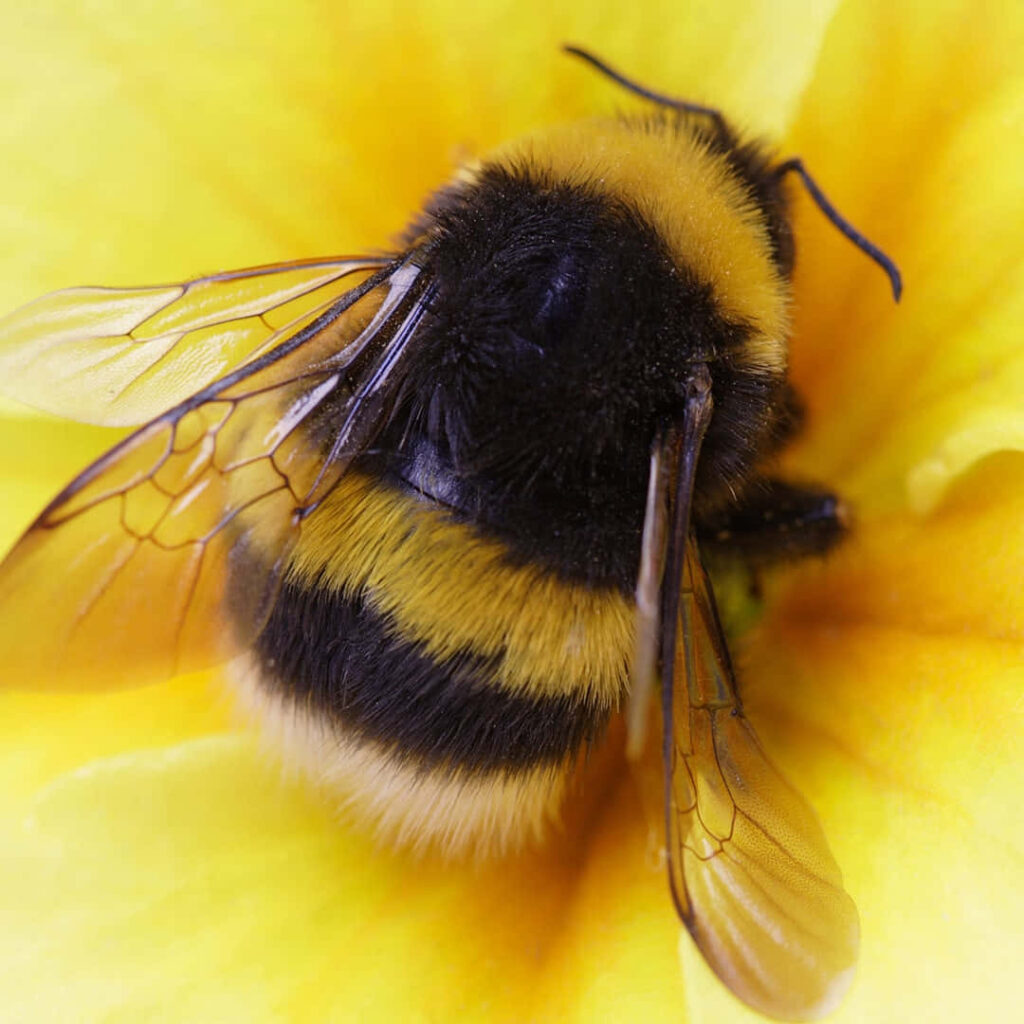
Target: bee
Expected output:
[446,509]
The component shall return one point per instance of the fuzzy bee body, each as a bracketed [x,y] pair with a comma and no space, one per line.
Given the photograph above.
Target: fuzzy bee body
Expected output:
[441,689]
[458,617]
[445,509]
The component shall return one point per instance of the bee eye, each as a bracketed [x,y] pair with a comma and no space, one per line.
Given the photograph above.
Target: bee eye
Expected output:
[561,297]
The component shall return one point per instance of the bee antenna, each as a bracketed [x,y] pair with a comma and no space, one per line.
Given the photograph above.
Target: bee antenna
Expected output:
[647,94]
[796,165]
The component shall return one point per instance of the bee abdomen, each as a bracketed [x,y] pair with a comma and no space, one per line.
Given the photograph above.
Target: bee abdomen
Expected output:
[434,686]
[431,752]
[338,657]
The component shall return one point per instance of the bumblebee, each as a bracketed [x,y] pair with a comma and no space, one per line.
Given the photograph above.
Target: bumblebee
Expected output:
[445,510]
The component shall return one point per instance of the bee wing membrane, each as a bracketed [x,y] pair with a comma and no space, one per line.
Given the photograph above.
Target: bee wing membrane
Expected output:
[750,868]
[170,548]
[118,357]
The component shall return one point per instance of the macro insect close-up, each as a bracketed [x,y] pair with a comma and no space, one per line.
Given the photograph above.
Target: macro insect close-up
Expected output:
[456,518]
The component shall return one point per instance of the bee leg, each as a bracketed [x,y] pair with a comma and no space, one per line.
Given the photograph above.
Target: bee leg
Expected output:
[774,522]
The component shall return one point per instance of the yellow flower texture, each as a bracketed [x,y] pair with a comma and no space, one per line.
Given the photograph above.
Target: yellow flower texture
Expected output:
[157,868]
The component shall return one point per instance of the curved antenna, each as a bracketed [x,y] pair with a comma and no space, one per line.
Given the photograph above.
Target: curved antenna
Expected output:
[796,165]
[647,94]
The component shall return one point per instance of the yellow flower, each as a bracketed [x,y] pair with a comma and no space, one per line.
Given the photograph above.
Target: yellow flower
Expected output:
[157,869]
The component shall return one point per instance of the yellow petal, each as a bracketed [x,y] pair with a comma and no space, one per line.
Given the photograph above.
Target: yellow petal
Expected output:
[151,143]
[914,119]
[908,744]
[956,571]
[887,681]
[194,878]
[148,144]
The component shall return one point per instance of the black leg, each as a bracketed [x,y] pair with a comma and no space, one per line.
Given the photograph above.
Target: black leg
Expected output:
[774,522]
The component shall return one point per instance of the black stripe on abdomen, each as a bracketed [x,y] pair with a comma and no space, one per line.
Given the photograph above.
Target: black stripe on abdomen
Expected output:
[338,657]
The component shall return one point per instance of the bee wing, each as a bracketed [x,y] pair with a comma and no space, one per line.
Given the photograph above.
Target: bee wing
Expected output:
[118,357]
[750,870]
[166,554]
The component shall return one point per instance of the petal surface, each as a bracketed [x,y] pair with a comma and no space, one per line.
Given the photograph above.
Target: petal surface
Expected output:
[193,883]
[156,874]
[914,121]
[151,143]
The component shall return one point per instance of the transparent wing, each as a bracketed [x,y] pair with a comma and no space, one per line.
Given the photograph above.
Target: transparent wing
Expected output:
[166,554]
[750,868]
[119,357]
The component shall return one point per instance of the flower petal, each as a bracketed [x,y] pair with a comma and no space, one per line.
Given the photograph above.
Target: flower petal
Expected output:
[955,572]
[148,143]
[192,878]
[887,681]
[188,878]
[890,387]
[908,745]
